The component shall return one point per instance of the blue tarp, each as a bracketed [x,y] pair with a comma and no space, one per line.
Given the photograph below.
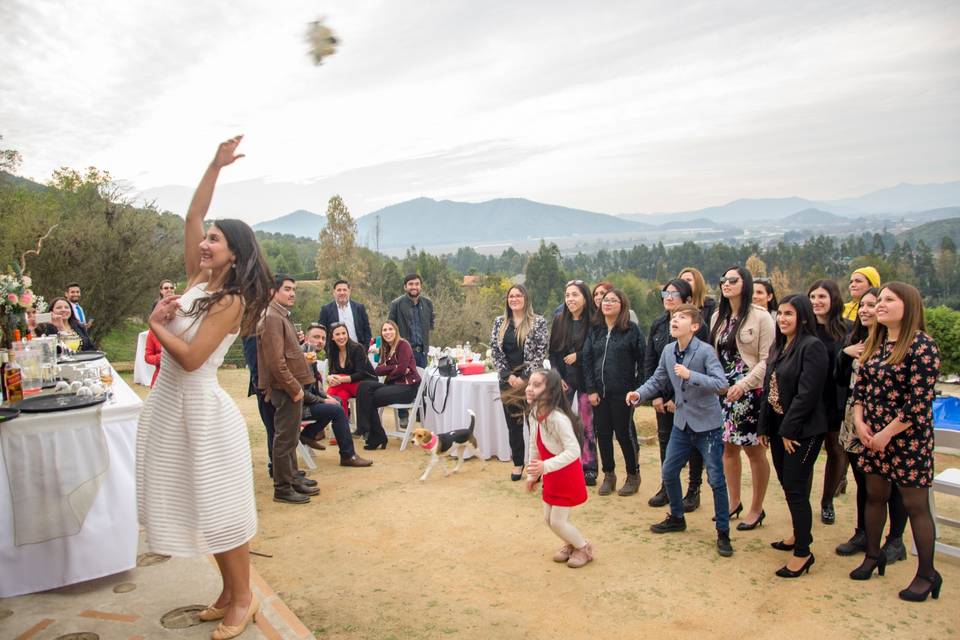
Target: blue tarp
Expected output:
[946,413]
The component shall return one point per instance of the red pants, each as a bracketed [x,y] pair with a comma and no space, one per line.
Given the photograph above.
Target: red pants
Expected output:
[344,392]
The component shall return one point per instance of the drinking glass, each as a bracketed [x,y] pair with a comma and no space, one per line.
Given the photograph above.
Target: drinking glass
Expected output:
[106,376]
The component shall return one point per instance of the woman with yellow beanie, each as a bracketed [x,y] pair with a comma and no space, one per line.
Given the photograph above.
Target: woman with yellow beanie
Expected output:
[860,280]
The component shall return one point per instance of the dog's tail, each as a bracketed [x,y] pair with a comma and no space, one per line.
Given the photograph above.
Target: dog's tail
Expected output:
[473,420]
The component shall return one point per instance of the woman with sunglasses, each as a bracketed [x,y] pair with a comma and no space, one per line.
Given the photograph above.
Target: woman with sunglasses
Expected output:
[742,334]
[673,294]
[612,364]
[567,335]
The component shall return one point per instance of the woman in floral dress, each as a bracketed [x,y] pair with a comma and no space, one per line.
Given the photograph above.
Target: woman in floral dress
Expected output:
[893,416]
[742,334]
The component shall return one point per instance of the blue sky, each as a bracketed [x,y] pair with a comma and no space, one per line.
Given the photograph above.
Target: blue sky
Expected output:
[619,106]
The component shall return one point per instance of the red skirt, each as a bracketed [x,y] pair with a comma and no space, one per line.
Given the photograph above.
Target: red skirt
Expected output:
[343,392]
[564,487]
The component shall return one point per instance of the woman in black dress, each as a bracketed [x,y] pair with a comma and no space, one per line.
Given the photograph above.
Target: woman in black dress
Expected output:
[893,414]
[567,335]
[832,330]
[793,420]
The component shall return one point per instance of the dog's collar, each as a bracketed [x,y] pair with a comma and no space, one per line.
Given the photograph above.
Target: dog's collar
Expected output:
[432,443]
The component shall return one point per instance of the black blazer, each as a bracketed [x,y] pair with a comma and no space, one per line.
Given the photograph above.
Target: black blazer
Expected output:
[801,376]
[329,315]
[358,366]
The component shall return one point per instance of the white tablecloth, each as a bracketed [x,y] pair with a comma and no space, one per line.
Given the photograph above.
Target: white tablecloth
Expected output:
[107,541]
[480,393]
[142,370]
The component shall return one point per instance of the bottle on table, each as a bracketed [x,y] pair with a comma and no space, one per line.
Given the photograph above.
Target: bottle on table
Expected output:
[13,380]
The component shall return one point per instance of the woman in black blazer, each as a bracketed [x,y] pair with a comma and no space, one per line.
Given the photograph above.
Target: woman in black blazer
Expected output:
[348,366]
[793,420]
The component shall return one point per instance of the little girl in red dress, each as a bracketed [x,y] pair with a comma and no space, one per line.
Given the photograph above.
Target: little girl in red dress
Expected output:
[555,442]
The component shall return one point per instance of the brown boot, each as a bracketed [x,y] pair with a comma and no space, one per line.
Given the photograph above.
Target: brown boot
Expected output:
[631,486]
[608,485]
[581,556]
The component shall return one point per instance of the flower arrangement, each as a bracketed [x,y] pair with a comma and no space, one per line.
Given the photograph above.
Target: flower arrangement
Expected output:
[16,297]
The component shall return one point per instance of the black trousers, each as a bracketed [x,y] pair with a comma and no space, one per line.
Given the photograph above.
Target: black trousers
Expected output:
[286,435]
[266,416]
[664,427]
[795,472]
[898,513]
[373,394]
[514,418]
[614,417]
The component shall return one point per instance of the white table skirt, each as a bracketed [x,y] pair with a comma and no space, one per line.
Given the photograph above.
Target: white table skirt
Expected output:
[107,542]
[142,370]
[480,393]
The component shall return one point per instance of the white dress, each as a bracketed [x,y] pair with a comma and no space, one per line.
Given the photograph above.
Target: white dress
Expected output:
[194,470]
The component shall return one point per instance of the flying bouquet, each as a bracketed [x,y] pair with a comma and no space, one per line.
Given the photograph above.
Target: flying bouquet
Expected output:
[323,43]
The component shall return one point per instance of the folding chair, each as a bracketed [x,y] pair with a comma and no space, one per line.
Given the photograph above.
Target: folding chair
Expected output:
[948,482]
[412,407]
[304,450]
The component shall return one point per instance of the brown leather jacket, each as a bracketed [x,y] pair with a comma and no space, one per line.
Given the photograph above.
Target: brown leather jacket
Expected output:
[280,361]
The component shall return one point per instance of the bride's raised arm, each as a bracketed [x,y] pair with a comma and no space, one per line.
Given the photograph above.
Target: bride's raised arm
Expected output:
[200,204]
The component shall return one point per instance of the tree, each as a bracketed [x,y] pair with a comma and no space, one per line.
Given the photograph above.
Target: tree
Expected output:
[948,268]
[545,279]
[337,255]
[756,266]
[9,159]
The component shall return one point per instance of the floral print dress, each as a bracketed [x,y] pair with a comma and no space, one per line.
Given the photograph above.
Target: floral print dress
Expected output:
[904,391]
[740,417]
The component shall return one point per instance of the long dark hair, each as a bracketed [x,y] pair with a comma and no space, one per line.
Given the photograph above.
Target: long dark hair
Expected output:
[72,320]
[724,310]
[859,333]
[333,349]
[683,288]
[806,325]
[553,398]
[249,277]
[772,303]
[562,338]
[835,326]
[622,322]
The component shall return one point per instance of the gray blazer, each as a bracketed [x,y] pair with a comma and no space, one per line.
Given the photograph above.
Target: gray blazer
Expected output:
[697,399]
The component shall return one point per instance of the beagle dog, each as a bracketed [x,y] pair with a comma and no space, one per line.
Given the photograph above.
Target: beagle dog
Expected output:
[458,441]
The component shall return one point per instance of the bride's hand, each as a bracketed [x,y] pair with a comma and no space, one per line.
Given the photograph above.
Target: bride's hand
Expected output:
[165,310]
[226,152]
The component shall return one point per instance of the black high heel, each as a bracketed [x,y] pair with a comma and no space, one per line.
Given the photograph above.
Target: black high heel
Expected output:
[733,514]
[750,526]
[783,572]
[780,545]
[376,445]
[934,590]
[863,572]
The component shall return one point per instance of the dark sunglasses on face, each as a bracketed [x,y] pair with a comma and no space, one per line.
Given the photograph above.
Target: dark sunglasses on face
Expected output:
[670,294]
[729,280]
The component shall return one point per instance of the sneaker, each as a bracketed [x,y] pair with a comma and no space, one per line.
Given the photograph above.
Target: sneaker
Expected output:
[724,548]
[581,556]
[669,525]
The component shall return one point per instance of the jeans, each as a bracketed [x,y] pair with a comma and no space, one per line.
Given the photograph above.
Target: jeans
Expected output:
[614,416]
[709,444]
[371,395]
[324,413]
[795,472]
[286,435]
[664,430]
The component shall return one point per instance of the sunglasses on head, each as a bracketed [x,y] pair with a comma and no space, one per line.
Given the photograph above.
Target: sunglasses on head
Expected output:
[316,325]
[729,280]
[573,282]
[762,280]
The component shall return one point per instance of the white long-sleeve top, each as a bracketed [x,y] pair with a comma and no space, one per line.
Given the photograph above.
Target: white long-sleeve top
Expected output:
[558,437]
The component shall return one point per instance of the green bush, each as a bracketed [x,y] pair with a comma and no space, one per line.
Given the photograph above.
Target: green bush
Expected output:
[943,324]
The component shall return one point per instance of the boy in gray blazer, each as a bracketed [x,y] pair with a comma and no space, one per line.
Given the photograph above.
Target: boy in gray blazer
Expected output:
[693,369]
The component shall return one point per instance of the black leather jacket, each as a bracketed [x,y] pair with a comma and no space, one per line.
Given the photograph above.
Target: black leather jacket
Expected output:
[612,361]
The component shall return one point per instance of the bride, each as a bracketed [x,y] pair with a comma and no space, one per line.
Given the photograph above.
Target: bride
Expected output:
[194,473]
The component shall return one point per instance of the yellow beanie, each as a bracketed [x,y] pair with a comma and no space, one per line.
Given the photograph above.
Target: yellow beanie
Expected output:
[871,274]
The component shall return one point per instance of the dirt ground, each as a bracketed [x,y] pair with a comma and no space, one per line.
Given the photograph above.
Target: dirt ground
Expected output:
[379,555]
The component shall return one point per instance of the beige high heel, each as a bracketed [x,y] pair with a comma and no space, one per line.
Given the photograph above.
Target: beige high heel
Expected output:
[225,632]
[211,613]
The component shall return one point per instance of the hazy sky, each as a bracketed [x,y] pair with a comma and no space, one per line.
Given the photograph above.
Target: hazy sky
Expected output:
[614,106]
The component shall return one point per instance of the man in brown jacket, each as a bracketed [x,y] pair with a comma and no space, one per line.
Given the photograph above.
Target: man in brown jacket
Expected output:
[282,373]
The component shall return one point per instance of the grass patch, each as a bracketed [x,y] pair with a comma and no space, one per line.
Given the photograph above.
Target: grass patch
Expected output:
[120,345]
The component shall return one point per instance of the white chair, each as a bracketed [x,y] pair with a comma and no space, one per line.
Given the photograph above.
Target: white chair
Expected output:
[304,451]
[412,407]
[948,482]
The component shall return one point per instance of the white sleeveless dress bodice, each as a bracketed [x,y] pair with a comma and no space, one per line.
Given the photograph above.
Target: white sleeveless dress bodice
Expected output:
[194,470]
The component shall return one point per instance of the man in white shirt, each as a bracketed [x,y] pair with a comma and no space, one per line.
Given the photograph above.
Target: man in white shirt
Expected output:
[343,309]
